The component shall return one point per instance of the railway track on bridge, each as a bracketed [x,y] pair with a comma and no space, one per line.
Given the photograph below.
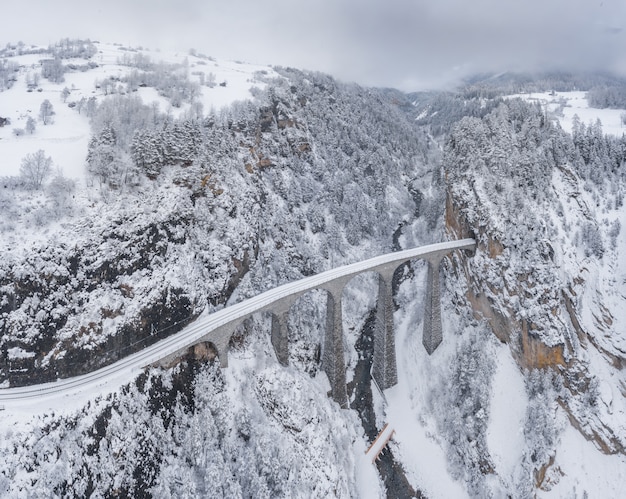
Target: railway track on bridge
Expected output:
[218,326]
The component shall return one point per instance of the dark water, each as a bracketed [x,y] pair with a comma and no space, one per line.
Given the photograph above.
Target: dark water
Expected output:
[390,470]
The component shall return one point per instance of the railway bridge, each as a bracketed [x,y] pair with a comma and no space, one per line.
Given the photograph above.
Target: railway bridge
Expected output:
[218,328]
[278,302]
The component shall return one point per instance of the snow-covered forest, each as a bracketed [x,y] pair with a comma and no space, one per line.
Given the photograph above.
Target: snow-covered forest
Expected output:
[193,183]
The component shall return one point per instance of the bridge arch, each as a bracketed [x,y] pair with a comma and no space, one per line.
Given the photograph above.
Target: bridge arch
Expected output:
[332,341]
[204,350]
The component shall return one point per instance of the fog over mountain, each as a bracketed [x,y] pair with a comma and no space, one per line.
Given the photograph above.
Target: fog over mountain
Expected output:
[404,44]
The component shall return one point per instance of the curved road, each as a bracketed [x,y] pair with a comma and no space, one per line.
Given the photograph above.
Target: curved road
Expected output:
[51,395]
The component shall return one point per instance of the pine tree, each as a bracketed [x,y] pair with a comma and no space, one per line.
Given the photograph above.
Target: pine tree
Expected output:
[147,151]
[104,158]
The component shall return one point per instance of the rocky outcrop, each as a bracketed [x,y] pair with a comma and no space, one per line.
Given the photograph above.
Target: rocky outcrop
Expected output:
[500,308]
[484,298]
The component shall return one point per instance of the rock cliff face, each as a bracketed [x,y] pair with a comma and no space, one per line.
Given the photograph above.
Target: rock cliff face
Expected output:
[498,306]
[528,280]
[485,298]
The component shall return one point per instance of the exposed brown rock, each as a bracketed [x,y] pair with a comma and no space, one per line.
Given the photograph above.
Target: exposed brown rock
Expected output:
[541,481]
[584,338]
[537,355]
[482,310]
[208,181]
[204,351]
[264,162]
[286,123]
[453,220]
[494,248]
[607,444]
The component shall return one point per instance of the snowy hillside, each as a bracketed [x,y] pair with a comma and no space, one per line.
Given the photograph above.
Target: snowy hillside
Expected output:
[548,277]
[564,106]
[107,72]
[187,184]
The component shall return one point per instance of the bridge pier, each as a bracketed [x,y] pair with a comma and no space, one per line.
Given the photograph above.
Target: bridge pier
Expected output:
[222,355]
[433,332]
[221,339]
[333,361]
[384,369]
[280,336]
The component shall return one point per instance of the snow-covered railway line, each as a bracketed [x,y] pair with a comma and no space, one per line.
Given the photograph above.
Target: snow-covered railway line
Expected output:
[227,317]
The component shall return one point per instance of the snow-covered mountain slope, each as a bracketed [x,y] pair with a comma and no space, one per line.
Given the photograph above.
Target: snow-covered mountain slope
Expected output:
[181,208]
[547,209]
[321,173]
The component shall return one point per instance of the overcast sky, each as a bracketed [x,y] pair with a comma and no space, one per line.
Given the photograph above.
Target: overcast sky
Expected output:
[407,44]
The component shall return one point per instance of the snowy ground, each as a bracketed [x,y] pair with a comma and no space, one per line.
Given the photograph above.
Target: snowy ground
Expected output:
[585,469]
[416,443]
[505,436]
[66,140]
[565,105]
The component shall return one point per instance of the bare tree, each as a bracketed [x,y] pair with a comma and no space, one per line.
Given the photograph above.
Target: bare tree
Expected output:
[35,168]
[59,191]
[46,111]
[91,106]
[80,105]
[53,70]
[30,125]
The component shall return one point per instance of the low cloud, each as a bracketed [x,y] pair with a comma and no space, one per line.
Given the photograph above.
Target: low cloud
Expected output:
[409,44]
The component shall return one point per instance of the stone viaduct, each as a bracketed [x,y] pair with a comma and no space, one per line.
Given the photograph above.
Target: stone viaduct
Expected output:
[218,328]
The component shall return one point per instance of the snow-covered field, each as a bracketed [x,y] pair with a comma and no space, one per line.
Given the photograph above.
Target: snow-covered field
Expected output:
[565,105]
[66,139]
